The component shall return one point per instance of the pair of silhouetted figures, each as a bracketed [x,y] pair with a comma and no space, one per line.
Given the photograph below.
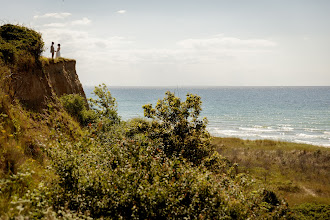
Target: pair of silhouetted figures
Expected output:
[58,51]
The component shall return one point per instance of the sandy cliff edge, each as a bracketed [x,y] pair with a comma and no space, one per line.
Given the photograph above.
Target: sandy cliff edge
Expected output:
[35,87]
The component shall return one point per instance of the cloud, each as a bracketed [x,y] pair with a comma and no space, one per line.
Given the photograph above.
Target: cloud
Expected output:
[226,43]
[55,25]
[114,54]
[53,15]
[82,44]
[84,21]
[80,22]
[121,11]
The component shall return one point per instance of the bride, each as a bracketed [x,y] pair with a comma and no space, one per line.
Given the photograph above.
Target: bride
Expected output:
[58,51]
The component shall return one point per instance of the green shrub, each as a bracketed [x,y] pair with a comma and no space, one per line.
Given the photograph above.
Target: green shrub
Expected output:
[123,172]
[136,127]
[20,47]
[131,179]
[177,126]
[311,211]
[23,38]
[7,52]
[218,164]
[105,106]
[75,105]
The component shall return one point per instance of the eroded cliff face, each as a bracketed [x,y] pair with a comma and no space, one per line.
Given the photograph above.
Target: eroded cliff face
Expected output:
[34,88]
[63,78]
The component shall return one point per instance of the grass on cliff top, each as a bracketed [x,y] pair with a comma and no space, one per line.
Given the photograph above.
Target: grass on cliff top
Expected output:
[47,61]
[297,172]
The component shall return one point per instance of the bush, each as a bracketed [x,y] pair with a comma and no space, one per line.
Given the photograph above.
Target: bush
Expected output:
[23,38]
[20,47]
[137,127]
[130,179]
[122,173]
[103,109]
[7,52]
[177,127]
[312,211]
[105,106]
[75,105]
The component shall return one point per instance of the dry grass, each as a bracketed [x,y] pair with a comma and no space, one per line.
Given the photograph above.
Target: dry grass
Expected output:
[298,172]
[47,61]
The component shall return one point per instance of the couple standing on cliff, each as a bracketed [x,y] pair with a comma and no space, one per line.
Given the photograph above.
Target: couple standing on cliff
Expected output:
[58,51]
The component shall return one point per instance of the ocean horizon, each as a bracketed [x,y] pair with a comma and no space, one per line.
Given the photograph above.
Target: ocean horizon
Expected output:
[299,114]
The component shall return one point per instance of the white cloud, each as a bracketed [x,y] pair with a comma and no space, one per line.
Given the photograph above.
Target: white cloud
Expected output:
[80,43]
[55,25]
[84,21]
[121,11]
[80,22]
[114,54]
[119,50]
[53,15]
[226,43]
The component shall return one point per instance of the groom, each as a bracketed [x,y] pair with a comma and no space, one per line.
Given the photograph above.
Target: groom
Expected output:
[52,50]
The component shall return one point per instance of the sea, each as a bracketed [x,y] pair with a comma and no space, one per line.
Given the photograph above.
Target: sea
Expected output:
[294,114]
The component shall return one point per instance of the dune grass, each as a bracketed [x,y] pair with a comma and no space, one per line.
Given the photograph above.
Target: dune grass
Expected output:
[297,172]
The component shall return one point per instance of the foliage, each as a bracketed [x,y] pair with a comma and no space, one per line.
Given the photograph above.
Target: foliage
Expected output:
[312,211]
[7,52]
[298,172]
[121,172]
[130,179]
[75,105]
[105,106]
[20,47]
[177,126]
[18,40]
[46,61]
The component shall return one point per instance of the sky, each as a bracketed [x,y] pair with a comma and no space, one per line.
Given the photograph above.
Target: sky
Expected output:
[185,42]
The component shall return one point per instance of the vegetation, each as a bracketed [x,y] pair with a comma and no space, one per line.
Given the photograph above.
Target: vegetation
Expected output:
[74,162]
[177,127]
[46,61]
[75,105]
[20,47]
[111,171]
[297,172]
[106,106]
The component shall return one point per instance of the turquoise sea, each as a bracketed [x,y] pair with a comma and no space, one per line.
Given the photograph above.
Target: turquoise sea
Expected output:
[295,114]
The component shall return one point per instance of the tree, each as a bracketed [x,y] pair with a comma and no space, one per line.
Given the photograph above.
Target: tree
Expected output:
[177,127]
[105,106]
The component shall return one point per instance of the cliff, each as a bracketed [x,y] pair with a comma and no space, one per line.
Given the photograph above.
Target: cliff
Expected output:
[28,77]
[63,78]
[40,84]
